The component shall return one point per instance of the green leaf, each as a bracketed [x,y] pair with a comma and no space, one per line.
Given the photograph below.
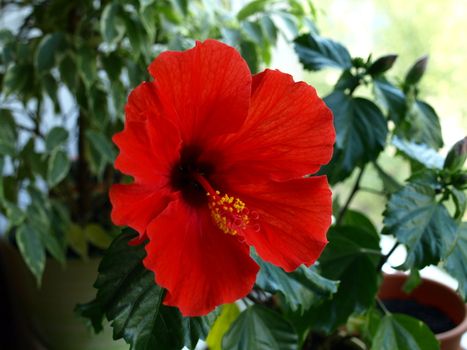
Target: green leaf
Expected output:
[417,71]
[196,328]
[351,257]
[420,153]
[8,133]
[316,53]
[260,328]
[412,282]
[361,129]
[460,202]
[129,298]
[228,315]
[48,49]
[102,145]
[58,167]
[269,28]
[253,32]
[416,219]
[381,65]
[401,332]
[68,71]
[97,236]
[360,220]
[14,214]
[55,137]
[251,8]
[249,53]
[455,262]
[31,248]
[390,184]
[421,125]
[17,78]
[76,239]
[86,65]
[112,25]
[301,288]
[392,99]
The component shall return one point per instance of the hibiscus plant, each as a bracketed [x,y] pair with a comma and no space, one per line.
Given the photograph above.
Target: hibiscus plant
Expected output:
[216,187]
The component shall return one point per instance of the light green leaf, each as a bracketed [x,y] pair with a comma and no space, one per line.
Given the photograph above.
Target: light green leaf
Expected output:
[228,315]
[401,332]
[259,328]
[112,25]
[31,248]
[97,236]
[316,53]
[421,153]
[251,8]
[55,137]
[76,239]
[58,167]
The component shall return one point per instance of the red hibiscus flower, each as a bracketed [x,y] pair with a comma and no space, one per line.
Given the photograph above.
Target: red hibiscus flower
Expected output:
[218,158]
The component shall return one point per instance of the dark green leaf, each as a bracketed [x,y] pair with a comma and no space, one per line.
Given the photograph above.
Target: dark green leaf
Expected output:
[31,248]
[361,129]
[416,219]
[269,28]
[17,78]
[251,8]
[420,153]
[401,332]
[249,53]
[58,167]
[14,214]
[259,328]
[55,137]
[456,262]
[351,257]
[48,49]
[392,99]
[301,288]
[86,65]
[316,53]
[8,133]
[360,220]
[68,71]
[390,184]
[102,145]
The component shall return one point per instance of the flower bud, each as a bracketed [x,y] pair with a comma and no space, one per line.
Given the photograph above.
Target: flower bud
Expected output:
[416,72]
[457,155]
[381,65]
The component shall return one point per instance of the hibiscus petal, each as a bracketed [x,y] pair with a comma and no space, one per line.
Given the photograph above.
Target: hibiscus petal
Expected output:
[288,133]
[293,216]
[200,266]
[205,90]
[137,205]
[149,145]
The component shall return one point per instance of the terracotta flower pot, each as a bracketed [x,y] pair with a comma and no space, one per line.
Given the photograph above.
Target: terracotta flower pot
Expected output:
[436,295]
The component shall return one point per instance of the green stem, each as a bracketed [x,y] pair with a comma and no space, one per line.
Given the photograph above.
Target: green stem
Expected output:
[386,257]
[354,191]
[382,306]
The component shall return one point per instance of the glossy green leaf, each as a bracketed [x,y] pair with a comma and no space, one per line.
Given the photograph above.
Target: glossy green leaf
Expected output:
[130,299]
[421,125]
[48,50]
[316,53]
[418,220]
[455,263]
[31,248]
[229,313]
[301,288]
[401,332]
[259,328]
[392,99]
[351,257]
[8,133]
[361,129]
[58,167]
[421,153]
[55,137]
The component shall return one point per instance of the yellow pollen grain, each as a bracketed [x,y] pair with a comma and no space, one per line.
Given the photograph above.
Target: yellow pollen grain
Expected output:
[228,213]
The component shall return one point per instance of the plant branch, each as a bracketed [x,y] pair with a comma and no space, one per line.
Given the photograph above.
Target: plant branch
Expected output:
[372,190]
[354,191]
[386,257]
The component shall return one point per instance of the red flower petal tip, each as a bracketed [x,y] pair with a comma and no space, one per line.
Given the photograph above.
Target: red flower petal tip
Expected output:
[218,158]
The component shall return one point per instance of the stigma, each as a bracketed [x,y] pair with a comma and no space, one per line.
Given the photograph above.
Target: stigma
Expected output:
[230,214]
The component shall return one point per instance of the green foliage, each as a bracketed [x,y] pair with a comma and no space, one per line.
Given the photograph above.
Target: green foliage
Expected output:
[401,332]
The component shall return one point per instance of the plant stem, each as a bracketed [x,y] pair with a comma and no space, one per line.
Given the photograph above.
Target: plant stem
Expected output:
[382,306]
[372,190]
[386,257]
[354,191]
